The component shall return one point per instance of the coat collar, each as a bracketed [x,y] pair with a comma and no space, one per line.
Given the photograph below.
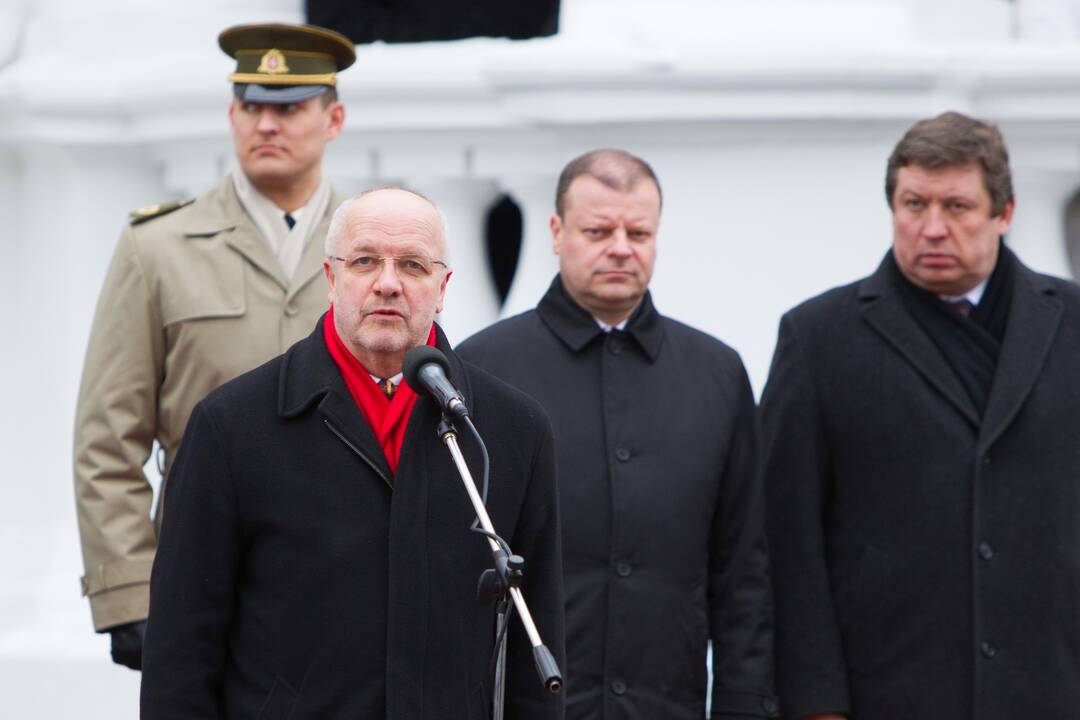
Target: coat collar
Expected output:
[1034,315]
[220,212]
[309,377]
[572,324]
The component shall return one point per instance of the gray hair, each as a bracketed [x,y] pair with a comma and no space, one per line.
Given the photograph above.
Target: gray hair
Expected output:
[338,222]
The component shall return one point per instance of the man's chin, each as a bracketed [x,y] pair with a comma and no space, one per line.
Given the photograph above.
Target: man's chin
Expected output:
[269,172]
[619,294]
[944,282]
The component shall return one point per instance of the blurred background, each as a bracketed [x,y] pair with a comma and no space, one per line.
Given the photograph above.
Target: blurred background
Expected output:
[768,122]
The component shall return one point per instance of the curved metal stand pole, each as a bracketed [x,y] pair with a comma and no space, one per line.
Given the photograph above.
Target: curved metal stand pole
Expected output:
[545,663]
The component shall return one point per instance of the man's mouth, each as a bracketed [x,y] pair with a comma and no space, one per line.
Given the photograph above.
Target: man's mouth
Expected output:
[936,259]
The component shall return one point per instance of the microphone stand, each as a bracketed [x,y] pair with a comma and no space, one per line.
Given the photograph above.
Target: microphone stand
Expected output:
[502,582]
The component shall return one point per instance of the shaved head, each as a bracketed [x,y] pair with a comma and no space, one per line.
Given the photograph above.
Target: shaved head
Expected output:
[379,201]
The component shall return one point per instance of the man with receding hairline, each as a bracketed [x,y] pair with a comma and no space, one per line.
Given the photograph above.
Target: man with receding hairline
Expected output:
[656,447]
[317,560]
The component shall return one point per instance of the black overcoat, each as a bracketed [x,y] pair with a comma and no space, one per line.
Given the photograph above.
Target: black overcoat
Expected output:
[926,561]
[298,578]
[656,446]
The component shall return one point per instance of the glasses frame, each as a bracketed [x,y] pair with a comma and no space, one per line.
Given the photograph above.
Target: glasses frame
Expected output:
[382,259]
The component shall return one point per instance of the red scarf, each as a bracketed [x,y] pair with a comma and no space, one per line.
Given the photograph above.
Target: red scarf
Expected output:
[388,418]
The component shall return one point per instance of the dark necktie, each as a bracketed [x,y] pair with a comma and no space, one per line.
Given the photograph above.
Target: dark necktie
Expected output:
[961,308]
[290,220]
[388,388]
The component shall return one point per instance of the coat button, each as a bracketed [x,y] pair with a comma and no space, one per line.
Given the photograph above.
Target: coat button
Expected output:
[988,650]
[615,346]
[623,569]
[618,687]
[290,310]
[622,454]
[985,551]
[769,705]
[986,461]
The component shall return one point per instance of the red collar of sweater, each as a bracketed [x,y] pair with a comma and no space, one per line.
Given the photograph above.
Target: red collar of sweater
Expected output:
[387,418]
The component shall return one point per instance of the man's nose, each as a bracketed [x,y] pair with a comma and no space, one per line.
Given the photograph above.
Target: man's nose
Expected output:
[268,122]
[935,227]
[620,244]
[387,281]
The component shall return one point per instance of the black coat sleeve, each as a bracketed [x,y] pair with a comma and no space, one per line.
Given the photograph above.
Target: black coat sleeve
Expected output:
[811,672]
[193,581]
[740,595]
[538,539]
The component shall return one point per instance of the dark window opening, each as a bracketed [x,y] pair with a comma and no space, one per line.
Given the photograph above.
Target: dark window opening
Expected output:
[502,241]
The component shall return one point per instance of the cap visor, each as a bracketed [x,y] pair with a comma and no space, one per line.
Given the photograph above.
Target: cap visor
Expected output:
[280,94]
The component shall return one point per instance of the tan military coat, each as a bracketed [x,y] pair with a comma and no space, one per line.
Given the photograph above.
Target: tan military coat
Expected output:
[192,298]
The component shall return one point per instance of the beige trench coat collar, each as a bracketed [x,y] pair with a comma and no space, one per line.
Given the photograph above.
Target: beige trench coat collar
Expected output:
[221,212]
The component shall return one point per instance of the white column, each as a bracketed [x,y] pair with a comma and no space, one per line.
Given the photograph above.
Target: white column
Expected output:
[472,302]
[537,263]
[1038,230]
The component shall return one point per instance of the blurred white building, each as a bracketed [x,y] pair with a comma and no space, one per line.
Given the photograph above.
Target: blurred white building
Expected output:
[768,122]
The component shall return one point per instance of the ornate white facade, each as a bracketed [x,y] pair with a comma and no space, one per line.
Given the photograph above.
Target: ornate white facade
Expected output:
[768,122]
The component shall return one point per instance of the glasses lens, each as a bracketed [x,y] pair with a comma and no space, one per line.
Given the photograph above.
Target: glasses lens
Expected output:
[364,264]
[412,266]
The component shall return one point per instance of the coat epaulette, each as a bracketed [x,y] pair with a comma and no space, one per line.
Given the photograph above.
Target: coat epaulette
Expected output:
[149,213]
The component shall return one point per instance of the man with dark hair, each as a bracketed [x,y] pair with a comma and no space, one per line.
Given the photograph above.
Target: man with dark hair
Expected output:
[316,559]
[198,292]
[921,463]
[656,445]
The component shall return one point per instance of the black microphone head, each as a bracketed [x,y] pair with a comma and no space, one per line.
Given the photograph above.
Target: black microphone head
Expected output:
[417,358]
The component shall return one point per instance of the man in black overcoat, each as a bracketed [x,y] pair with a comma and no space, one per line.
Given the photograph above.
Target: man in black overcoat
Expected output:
[316,559]
[656,446]
[922,445]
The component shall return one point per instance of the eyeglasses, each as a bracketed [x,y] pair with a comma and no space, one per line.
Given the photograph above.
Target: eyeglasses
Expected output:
[415,267]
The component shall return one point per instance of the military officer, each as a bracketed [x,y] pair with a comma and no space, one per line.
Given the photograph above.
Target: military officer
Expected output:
[197,293]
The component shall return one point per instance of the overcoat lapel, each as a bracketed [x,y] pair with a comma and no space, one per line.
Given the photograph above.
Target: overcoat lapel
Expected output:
[883,308]
[309,376]
[340,409]
[246,240]
[1033,322]
[225,215]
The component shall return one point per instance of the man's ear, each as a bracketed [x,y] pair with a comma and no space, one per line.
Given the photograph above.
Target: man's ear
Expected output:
[1006,217]
[556,232]
[442,291]
[328,271]
[337,120]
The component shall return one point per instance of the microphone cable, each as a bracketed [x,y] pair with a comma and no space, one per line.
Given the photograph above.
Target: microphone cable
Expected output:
[500,638]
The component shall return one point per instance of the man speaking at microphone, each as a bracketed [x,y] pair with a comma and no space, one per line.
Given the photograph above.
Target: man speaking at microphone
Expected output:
[317,559]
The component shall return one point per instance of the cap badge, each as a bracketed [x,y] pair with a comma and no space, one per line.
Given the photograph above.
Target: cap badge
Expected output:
[273,63]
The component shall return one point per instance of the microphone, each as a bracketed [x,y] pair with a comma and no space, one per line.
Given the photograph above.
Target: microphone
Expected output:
[426,368]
